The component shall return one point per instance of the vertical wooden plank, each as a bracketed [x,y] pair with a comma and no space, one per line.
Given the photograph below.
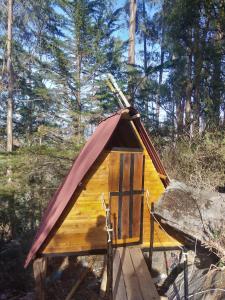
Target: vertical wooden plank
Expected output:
[103,283]
[114,165]
[120,204]
[137,199]
[126,199]
[147,287]
[119,289]
[114,173]
[39,270]
[114,216]
[138,171]
[109,257]
[125,218]
[130,278]
[114,168]
[136,215]
[151,235]
[131,196]
[126,172]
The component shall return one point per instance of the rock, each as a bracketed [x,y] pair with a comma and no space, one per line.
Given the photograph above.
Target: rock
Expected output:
[202,284]
[196,213]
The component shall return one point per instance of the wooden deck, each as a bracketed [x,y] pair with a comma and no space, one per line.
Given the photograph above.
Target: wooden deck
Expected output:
[131,277]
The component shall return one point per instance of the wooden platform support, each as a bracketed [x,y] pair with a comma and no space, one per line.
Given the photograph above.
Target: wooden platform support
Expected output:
[109,254]
[39,270]
[131,277]
[186,296]
[151,235]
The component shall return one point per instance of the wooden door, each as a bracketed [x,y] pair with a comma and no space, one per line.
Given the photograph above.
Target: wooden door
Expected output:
[126,184]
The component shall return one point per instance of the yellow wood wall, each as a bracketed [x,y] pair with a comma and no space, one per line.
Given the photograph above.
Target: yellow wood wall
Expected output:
[155,187]
[83,227]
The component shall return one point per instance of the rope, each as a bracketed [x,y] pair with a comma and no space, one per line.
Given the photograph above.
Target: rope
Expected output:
[152,213]
[107,220]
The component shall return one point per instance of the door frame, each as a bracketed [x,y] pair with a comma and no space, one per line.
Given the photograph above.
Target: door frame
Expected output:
[120,193]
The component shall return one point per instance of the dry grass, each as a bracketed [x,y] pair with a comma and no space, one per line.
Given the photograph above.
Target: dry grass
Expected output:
[200,162]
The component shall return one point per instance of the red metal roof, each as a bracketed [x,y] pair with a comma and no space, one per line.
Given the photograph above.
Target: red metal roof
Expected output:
[151,151]
[79,169]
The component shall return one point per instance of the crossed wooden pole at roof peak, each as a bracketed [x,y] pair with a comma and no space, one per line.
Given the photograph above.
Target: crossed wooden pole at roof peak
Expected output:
[122,100]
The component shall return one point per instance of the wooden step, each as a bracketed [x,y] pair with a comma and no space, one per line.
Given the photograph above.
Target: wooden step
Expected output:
[131,277]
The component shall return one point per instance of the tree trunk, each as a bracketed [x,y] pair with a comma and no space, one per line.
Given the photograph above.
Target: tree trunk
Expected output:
[10,78]
[198,62]
[131,51]
[179,115]
[144,38]
[172,100]
[78,81]
[188,95]
[132,28]
[30,109]
[158,99]
[216,87]
[145,99]
[223,116]
[78,93]
[10,114]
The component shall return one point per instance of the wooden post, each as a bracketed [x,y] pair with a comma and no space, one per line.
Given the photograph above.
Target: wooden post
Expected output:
[103,283]
[40,269]
[109,256]
[185,275]
[151,235]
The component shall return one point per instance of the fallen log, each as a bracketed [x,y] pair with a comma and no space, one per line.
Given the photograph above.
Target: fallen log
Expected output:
[196,213]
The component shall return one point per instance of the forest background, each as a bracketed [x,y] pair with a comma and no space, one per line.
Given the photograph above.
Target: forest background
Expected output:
[167,56]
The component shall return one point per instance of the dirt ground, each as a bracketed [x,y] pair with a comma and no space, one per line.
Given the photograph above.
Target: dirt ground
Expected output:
[167,272]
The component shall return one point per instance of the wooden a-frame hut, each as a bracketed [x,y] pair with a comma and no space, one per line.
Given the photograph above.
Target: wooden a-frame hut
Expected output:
[118,166]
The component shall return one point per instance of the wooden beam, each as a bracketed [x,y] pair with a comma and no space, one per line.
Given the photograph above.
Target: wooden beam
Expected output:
[125,114]
[40,270]
[130,278]
[151,235]
[119,288]
[103,283]
[76,253]
[109,254]
[162,176]
[148,289]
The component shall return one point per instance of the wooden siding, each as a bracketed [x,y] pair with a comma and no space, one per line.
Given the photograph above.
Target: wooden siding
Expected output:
[83,228]
[155,187]
[125,187]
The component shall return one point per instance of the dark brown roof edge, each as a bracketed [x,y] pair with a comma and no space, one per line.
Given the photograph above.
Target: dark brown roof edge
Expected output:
[151,151]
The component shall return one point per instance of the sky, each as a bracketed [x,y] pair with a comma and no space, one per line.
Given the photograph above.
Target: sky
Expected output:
[123,32]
